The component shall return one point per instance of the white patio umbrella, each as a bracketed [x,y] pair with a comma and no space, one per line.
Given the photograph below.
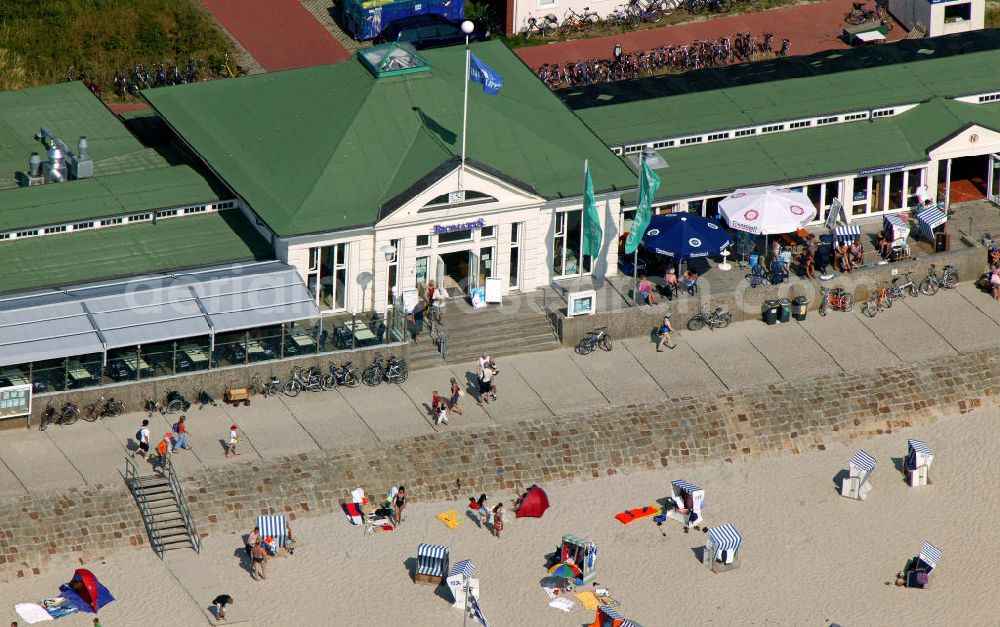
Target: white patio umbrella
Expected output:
[767,210]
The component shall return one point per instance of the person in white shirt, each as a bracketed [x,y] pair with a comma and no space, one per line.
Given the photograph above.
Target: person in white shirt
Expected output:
[142,439]
[234,439]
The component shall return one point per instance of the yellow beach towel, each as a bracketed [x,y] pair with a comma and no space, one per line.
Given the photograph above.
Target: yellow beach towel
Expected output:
[588,600]
[451,518]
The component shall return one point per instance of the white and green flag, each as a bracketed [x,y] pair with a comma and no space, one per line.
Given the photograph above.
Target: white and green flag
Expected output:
[649,182]
[592,234]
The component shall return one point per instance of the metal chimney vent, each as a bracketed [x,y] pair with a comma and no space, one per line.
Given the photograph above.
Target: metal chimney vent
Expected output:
[652,158]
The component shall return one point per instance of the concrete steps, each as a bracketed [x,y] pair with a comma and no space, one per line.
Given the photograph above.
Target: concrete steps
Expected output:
[493,330]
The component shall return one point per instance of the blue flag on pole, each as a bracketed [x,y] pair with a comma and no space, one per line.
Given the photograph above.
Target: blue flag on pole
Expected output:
[481,73]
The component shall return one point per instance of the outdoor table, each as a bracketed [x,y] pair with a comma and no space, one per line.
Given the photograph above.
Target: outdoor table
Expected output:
[257,352]
[14,376]
[303,340]
[128,359]
[866,33]
[194,353]
[78,373]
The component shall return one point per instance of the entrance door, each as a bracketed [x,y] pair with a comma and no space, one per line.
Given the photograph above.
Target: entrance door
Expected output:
[994,179]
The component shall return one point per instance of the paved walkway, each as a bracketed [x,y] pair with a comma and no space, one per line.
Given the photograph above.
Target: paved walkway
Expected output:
[279,34]
[810,27]
[536,385]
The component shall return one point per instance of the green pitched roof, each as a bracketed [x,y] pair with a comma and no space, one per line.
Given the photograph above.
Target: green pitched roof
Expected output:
[103,196]
[323,148]
[173,244]
[619,114]
[720,167]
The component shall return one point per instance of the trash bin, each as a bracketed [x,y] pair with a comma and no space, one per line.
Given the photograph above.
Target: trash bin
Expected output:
[799,307]
[769,312]
[786,310]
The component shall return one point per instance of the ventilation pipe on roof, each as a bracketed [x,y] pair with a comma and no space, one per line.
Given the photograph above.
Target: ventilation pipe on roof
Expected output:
[34,164]
[81,148]
[56,167]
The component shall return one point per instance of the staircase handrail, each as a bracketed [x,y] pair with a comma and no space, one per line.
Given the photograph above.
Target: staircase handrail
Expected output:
[131,477]
[182,506]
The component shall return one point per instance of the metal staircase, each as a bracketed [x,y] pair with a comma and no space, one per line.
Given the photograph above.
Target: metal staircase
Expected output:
[163,507]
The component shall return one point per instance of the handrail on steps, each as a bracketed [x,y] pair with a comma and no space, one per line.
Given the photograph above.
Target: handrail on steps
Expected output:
[175,487]
[131,477]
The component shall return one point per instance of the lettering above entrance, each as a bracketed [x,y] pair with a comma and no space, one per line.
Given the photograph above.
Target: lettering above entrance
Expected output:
[440,229]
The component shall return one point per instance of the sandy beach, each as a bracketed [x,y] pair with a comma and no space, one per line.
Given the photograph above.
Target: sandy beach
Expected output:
[809,556]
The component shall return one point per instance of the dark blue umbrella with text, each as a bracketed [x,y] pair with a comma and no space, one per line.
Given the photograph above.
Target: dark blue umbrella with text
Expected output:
[684,236]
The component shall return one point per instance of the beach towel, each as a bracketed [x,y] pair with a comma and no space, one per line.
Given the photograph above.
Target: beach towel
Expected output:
[588,600]
[451,518]
[353,513]
[32,613]
[561,603]
[630,515]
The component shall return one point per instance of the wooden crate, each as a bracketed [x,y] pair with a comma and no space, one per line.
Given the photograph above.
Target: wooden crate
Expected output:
[235,396]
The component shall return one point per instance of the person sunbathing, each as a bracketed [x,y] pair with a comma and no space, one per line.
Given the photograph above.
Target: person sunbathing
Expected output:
[883,245]
[857,253]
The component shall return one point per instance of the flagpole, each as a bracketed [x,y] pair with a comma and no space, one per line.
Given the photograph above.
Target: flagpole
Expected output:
[467,28]
[635,253]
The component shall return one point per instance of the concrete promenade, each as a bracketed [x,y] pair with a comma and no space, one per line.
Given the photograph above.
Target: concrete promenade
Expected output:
[531,386]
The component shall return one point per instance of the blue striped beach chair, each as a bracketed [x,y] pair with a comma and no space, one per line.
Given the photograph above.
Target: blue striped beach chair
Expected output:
[432,563]
[721,548]
[918,462]
[273,527]
[857,484]
[689,497]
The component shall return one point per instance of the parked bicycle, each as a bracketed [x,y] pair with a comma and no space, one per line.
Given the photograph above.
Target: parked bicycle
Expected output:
[544,26]
[578,22]
[597,338]
[836,299]
[639,11]
[898,291]
[718,319]
[103,408]
[174,402]
[860,13]
[69,414]
[948,280]
[694,7]
[304,379]
[878,300]
[393,370]
[346,375]
[271,387]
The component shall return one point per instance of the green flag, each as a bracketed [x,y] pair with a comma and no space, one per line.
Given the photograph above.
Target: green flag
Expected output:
[592,234]
[649,182]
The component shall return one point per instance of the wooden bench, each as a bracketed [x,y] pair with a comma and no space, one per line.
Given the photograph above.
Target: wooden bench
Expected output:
[919,31]
[851,32]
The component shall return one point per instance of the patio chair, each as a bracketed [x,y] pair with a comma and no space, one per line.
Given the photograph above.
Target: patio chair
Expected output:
[757,276]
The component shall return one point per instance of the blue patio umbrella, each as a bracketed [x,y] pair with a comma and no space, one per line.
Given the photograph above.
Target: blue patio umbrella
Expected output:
[684,236]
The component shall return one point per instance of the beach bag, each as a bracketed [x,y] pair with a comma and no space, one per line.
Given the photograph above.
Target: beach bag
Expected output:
[176,428]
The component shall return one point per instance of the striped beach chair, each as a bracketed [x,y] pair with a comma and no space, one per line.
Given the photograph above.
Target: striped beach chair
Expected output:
[610,617]
[846,234]
[929,219]
[857,484]
[273,527]
[919,574]
[432,563]
[918,462]
[687,496]
[721,548]
[460,579]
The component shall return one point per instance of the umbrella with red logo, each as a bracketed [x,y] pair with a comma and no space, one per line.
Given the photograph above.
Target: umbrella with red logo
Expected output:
[767,210]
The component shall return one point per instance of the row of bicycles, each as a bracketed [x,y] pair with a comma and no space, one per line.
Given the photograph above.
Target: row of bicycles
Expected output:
[838,299]
[70,412]
[389,370]
[700,54]
[624,17]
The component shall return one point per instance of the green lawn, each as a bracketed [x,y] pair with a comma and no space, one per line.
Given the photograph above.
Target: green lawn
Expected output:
[39,40]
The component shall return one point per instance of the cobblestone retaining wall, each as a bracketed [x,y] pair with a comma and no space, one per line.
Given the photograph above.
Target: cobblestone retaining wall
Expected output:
[778,419]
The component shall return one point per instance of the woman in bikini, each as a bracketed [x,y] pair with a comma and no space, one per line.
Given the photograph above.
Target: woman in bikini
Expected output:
[399,504]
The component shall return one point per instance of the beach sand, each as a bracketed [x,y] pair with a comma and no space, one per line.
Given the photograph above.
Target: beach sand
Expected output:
[809,556]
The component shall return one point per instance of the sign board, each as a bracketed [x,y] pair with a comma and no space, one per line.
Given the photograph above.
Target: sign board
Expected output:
[410,300]
[477,296]
[582,303]
[834,213]
[15,401]
[494,290]
[441,229]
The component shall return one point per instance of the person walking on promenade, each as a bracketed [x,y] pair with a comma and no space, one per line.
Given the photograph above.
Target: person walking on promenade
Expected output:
[163,451]
[142,440]
[399,503]
[665,329]
[485,385]
[181,430]
[494,373]
[456,396]
[234,439]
